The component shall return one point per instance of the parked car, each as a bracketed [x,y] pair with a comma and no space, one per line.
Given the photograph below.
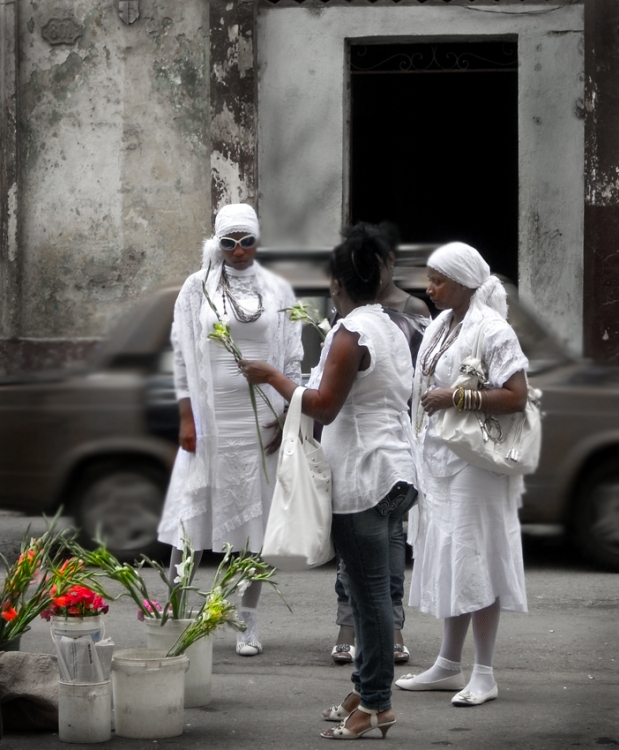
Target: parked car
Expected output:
[102,440]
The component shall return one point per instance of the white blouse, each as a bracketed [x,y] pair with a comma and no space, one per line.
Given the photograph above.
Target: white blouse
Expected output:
[369,444]
[502,356]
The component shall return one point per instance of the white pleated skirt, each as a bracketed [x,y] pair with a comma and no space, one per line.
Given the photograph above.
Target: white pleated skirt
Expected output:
[468,550]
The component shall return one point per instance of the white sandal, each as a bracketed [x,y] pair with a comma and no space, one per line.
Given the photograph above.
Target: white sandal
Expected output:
[338,713]
[342,732]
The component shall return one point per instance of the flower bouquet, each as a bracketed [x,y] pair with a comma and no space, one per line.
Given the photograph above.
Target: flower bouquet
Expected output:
[308,314]
[34,580]
[78,601]
[173,630]
[234,574]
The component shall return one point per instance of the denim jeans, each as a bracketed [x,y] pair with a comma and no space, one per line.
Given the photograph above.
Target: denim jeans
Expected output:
[363,541]
[397,565]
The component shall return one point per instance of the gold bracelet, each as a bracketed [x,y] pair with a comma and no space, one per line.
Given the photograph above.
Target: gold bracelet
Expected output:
[460,404]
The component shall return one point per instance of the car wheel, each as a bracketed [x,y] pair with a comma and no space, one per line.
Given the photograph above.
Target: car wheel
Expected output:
[595,521]
[121,503]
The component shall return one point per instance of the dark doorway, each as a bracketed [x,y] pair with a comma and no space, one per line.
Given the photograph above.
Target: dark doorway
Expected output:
[434,143]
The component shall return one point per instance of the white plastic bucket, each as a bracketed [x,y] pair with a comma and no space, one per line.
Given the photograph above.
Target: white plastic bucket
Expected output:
[149,693]
[199,676]
[85,712]
[76,627]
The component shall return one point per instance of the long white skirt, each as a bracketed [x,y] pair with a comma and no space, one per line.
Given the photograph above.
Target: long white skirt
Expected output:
[468,550]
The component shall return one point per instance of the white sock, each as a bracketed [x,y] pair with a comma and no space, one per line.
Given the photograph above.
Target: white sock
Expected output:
[439,670]
[249,615]
[482,680]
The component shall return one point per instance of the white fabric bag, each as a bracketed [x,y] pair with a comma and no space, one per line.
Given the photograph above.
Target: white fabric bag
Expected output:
[503,443]
[298,532]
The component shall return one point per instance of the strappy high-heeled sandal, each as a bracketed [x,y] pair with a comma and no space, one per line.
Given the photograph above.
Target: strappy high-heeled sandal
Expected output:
[339,713]
[342,732]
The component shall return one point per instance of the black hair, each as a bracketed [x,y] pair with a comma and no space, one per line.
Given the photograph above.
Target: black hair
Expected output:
[392,236]
[356,262]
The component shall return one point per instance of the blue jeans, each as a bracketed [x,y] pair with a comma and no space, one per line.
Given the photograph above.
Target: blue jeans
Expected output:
[363,541]
[397,566]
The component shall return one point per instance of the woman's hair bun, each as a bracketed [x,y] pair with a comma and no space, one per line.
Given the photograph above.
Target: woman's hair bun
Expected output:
[356,263]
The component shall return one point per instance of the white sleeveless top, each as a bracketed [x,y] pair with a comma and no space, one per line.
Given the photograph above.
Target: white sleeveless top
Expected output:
[369,444]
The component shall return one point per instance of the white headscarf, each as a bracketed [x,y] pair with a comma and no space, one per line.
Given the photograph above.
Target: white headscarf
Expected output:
[464,264]
[235,217]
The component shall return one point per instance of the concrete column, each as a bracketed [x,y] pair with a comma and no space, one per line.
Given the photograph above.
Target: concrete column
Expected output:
[601,240]
[233,102]
[9,254]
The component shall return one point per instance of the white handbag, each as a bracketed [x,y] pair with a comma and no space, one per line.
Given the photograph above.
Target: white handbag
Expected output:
[298,532]
[503,443]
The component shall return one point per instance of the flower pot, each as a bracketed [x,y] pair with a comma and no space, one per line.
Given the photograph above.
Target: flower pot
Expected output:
[198,679]
[85,712]
[148,690]
[12,645]
[76,627]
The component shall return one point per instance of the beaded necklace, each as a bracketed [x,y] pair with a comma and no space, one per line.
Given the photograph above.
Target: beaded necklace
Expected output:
[428,362]
[239,313]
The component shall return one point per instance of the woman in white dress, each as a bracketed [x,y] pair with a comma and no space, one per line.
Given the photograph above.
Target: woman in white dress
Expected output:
[218,490]
[468,551]
[360,391]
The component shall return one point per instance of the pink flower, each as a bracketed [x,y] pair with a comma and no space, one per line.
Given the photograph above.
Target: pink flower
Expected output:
[147,606]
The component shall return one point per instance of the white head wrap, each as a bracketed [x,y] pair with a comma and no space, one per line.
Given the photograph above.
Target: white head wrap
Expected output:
[235,217]
[464,264]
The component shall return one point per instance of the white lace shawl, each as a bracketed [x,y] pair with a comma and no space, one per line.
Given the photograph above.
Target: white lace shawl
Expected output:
[194,473]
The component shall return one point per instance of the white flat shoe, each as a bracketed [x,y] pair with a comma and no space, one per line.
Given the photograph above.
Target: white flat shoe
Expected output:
[466,698]
[410,682]
[251,648]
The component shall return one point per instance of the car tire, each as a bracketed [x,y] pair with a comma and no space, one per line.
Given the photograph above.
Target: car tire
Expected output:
[594,526]
[121,501]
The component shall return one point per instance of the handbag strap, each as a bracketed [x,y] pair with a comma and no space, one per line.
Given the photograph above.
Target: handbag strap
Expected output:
[295,422]
[479,337]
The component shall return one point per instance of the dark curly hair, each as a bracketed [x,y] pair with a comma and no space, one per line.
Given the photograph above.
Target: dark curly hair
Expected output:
[356,262]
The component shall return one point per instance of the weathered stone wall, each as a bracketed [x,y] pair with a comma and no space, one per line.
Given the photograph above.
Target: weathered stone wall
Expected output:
[304,130]
[114,191]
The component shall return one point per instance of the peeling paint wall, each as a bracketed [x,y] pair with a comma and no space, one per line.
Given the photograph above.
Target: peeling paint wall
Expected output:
[233,103]
[601,282]
[303,131]
[115,148]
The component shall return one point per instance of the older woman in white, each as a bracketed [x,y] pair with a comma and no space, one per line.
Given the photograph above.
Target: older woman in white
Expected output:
[218,491]
[468,552]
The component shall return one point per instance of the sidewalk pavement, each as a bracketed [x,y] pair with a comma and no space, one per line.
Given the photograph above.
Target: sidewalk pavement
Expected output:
[556,669]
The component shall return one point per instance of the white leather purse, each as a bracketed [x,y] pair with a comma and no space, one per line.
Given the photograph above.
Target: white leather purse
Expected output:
[503,443]
[298,532]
